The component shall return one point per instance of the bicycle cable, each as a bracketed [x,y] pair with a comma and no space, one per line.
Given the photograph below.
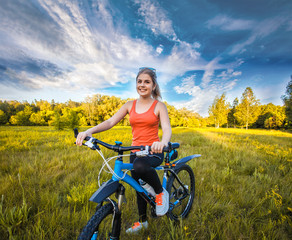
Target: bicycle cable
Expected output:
[106,163]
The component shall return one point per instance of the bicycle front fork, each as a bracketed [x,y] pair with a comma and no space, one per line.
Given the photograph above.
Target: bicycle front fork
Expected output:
[116,225]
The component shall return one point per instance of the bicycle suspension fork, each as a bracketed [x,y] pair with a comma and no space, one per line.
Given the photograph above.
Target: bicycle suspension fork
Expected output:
[116,226]
[121,196]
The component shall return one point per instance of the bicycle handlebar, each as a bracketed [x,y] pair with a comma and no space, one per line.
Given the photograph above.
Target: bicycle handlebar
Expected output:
[118,148]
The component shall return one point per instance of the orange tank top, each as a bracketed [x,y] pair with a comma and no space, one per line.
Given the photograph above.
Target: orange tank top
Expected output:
[144,126]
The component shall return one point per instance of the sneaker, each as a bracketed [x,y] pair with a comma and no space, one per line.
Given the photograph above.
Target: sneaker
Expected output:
[137,227]
[162,203]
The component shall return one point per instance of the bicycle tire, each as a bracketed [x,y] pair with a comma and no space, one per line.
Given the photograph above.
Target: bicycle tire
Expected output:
[176,191]
[97,223]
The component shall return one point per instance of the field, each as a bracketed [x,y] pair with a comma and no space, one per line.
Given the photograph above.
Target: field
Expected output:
[243,184]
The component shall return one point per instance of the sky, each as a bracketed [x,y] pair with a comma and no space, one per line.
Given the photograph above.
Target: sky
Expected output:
[69,49]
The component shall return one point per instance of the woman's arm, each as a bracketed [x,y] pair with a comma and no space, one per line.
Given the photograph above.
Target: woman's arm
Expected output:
[157,147]
[118,116]
[165,125]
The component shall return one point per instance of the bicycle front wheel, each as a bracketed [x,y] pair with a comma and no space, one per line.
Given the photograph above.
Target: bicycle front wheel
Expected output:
[181,192]
[100,224]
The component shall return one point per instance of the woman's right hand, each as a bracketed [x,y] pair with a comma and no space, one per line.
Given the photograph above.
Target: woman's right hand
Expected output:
[81,136]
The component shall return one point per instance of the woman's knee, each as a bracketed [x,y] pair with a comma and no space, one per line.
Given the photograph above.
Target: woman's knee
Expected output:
[141,166]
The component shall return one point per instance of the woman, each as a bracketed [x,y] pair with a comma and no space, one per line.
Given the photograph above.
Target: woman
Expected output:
[145,114]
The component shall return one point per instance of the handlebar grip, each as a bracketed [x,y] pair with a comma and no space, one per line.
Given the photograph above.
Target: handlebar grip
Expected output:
[75,132]
[165,149]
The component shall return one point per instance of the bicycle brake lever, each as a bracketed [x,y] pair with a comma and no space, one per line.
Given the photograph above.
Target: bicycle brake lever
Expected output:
[91,145]
[143,153]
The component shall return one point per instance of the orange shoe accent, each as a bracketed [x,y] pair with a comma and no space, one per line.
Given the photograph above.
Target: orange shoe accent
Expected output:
[136,224]
[158,199]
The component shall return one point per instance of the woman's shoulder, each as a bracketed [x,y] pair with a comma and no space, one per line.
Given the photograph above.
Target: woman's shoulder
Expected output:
[129,105]
[130,102]
[161,104]
[160,108]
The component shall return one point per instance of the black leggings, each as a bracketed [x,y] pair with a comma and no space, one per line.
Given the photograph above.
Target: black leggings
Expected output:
[144,169]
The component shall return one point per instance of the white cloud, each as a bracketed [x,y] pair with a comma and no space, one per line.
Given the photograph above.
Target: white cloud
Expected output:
[183,57]
[209,71]
[224,75]
[188,86]
[212,85]
[159,49]
[88,56]
[84,46]
[230,24]
[259,31]
[201,100]
[156,18]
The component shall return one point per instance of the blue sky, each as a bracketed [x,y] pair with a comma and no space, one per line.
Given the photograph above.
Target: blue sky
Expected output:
[61,49]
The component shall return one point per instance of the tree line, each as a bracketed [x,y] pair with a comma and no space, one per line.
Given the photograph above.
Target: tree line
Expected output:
[246,112]
[94,110]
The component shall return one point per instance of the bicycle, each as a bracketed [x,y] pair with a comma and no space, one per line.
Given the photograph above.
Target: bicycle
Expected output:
[178,180]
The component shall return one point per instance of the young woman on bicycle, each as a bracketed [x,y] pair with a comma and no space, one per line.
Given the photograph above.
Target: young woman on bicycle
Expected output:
[145,114]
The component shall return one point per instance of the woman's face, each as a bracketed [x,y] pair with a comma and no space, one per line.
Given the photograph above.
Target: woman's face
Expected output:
[144,85]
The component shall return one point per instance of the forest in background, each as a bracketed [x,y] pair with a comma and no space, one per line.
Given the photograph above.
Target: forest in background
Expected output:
[247,112]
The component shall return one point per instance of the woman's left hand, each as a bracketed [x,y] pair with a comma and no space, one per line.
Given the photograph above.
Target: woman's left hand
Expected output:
[157,147]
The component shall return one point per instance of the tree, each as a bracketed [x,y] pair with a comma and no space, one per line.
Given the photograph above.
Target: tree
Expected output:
[57,121]
[70,118]
[172,115]
[247,111]
[231,119]
[83,121]
[271,116]
[8,108]
[287,98]
[38,118]
[219,110]
[203,122]
[22,117]
[3,118]
[94,110]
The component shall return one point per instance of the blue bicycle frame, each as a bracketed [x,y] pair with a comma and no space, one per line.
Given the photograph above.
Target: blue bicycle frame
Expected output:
[111,186]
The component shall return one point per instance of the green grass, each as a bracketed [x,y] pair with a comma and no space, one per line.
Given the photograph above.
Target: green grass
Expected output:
[243,184]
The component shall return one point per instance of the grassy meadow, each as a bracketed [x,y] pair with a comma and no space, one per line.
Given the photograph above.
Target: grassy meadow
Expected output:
[243,184]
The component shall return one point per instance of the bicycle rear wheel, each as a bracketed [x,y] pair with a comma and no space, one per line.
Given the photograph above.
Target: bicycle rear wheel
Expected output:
[100,224]
[181,192]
